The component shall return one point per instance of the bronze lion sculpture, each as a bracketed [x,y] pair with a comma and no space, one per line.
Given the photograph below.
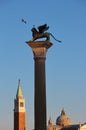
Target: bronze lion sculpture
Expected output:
[40,33]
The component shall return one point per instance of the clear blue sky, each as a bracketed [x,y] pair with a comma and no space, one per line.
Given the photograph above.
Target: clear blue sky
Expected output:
[65,63]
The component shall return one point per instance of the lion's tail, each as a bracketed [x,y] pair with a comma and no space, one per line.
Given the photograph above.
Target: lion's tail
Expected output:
[55,38]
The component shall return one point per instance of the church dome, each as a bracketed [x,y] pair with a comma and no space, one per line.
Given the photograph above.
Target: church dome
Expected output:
[63,119]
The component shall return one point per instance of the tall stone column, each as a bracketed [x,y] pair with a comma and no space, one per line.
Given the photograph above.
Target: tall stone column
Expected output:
[39,49]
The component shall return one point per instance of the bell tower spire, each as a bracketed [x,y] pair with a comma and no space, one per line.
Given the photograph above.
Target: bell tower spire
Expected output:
[19,110]
[19,91]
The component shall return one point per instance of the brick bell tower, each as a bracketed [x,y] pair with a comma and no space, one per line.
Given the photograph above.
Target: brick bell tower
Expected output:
[19,110]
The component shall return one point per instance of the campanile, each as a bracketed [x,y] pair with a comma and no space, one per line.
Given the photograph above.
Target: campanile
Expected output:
[19,110]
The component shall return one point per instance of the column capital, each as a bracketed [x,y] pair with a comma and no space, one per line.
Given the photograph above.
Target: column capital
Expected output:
[39,48]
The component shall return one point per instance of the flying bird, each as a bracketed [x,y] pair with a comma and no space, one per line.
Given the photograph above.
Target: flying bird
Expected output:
[24,21]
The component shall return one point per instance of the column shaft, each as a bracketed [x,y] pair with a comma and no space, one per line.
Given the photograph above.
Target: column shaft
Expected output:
[40,94]
[39,49]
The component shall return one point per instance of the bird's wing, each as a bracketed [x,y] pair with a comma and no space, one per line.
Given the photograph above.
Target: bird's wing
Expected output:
[24,21]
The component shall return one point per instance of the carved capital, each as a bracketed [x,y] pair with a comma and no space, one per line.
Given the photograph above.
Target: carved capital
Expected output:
[39,48]
[39,52]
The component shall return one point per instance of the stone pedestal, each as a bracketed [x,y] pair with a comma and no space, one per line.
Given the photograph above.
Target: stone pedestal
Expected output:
[39,49]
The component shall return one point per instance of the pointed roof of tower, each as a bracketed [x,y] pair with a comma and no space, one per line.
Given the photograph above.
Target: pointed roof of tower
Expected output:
[50,121]
[19,91]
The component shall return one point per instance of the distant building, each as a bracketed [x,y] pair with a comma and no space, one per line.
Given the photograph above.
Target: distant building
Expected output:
[75,127]
[19,110]
[63,122]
